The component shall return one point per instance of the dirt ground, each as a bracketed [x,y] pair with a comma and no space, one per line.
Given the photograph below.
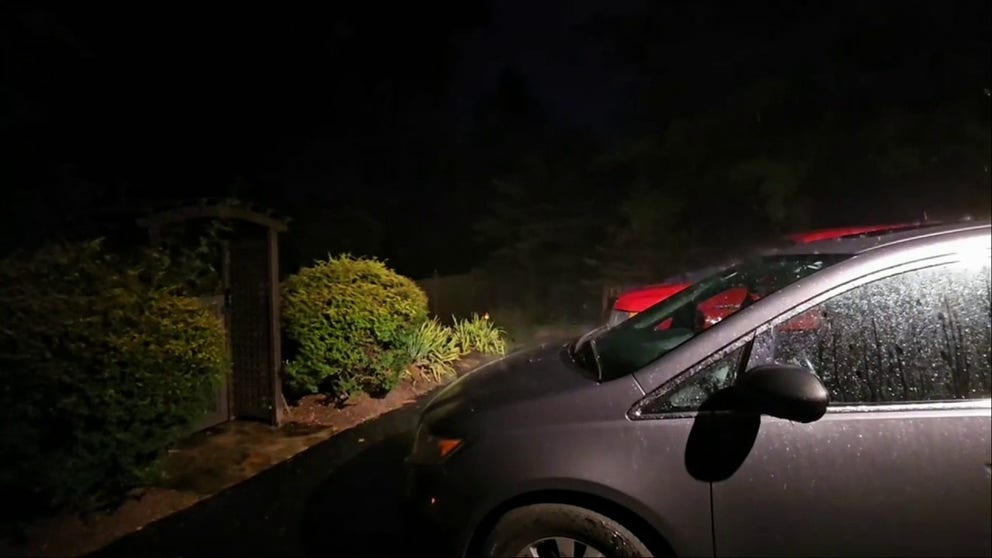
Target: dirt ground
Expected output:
[213,460]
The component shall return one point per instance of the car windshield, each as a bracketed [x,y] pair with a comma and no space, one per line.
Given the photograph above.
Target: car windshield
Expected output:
[648,336]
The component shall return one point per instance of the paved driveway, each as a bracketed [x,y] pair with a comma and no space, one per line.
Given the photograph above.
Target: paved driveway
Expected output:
[339,498]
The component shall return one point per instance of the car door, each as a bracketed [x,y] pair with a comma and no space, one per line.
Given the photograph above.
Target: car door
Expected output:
[666,424]
[899,464]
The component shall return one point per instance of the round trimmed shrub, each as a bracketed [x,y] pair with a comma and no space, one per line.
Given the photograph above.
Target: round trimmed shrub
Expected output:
[101,370]
[349,321]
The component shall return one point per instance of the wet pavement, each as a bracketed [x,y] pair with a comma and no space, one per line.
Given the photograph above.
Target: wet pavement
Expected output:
[340,497]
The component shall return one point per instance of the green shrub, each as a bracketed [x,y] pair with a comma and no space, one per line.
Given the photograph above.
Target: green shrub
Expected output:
[433,349]
[479,334]
[349,321]
[101,369]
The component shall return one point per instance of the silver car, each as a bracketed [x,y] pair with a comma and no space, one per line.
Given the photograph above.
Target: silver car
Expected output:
[844,411]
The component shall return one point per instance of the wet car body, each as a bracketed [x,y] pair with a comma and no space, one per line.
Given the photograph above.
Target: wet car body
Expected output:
[542,426]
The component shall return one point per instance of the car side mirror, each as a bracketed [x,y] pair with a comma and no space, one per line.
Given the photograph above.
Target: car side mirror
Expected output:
[784,391]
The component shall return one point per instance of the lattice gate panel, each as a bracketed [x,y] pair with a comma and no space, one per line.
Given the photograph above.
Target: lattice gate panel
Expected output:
[251,342]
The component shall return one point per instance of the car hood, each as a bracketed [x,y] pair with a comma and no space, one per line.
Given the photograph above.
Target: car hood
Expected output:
[517,379]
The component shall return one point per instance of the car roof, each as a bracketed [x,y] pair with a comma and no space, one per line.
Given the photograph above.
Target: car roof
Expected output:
[861,244]
[806,237]
[866,239]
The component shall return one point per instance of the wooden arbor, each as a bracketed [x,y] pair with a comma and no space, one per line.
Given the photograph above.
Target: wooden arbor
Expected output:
[250,306]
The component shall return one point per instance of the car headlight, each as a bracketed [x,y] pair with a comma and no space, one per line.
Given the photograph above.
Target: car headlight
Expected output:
[431,450]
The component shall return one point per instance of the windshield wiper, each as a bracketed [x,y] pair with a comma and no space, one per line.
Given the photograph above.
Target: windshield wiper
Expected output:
[594,332]
[589,359]
[595,358]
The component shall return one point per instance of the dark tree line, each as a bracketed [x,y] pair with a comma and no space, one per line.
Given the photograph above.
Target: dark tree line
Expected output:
[740,123]
[744,128]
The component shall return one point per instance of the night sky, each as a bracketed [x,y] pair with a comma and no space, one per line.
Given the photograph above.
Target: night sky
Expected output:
[378,129]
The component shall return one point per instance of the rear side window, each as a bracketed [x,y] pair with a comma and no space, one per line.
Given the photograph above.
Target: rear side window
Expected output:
[922,335]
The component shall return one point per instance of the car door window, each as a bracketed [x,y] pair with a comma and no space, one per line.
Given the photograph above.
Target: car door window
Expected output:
[698,386]
[922,335]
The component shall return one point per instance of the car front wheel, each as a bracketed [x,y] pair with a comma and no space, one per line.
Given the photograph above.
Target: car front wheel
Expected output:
[541,530]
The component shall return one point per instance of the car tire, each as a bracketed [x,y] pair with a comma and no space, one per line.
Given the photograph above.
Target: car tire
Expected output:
[523,528]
